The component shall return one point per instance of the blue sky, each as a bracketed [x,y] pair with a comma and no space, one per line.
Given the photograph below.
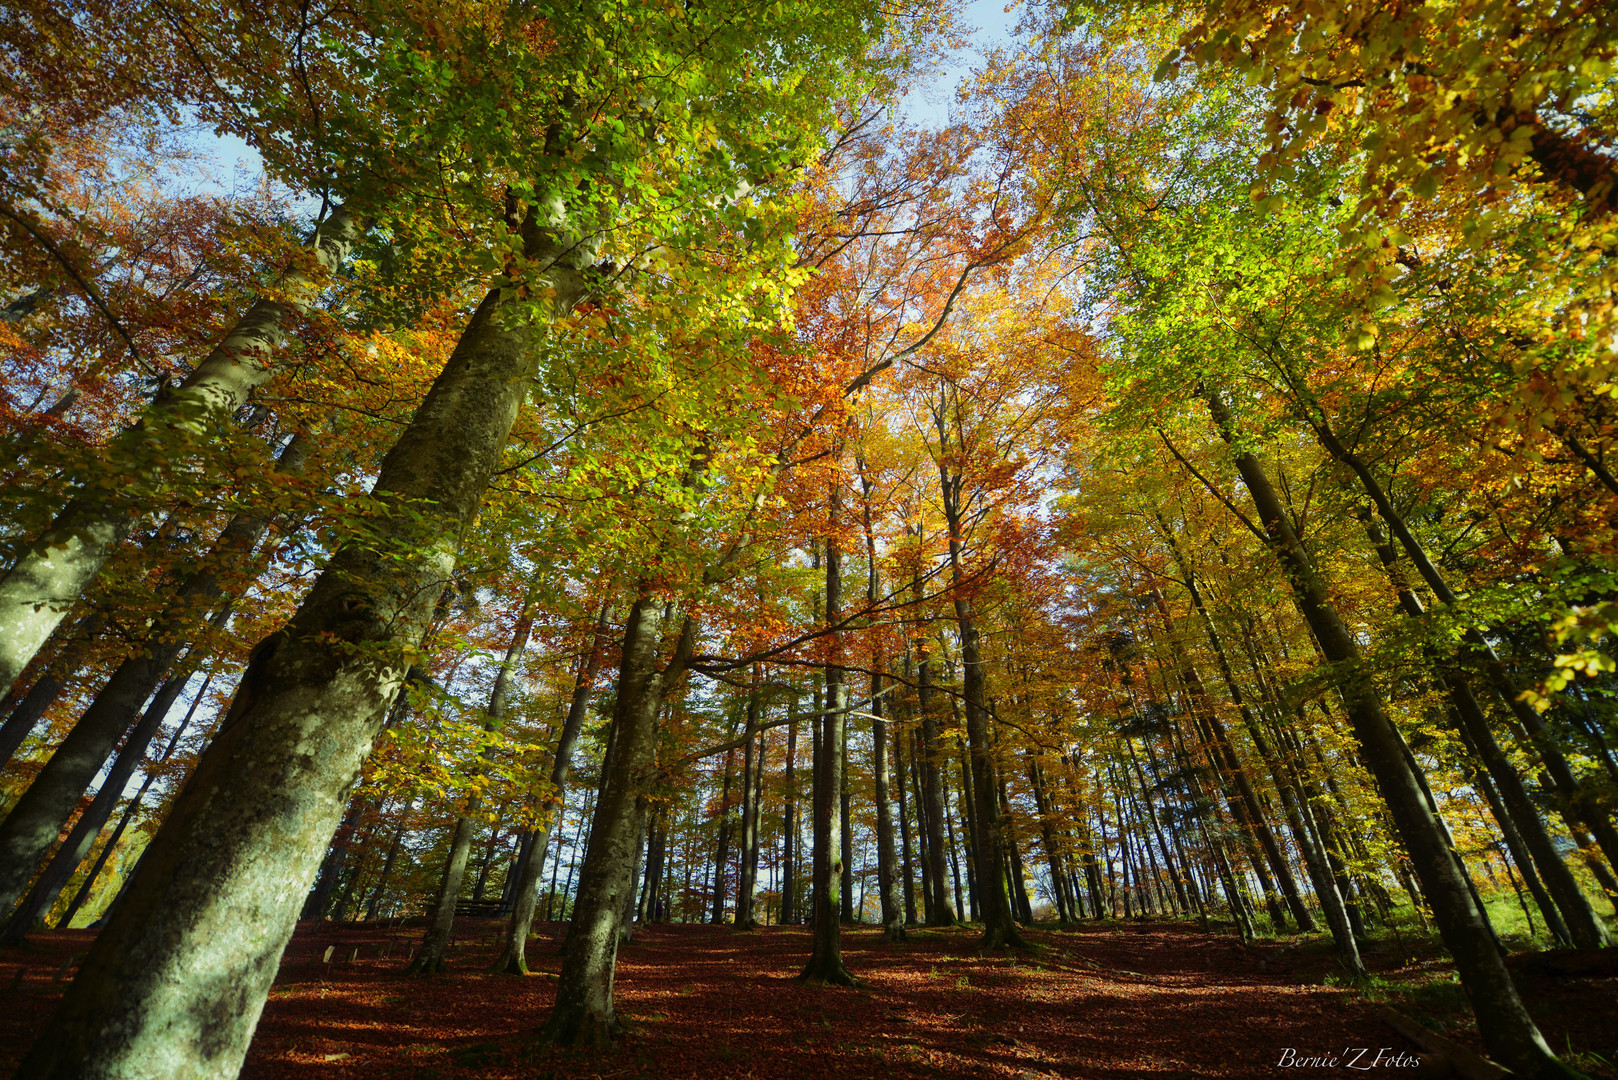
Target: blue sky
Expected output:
[993,27]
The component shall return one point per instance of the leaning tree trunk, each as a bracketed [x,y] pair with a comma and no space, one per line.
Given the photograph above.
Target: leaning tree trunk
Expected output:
[1573,910]
[129,813]
[584,1014]
[46,580]
[441,919]
[39,816]
[1507,1029]
[30,708]
[513,958]
[174,985]
[1579,803]
[825,964]
[84,832]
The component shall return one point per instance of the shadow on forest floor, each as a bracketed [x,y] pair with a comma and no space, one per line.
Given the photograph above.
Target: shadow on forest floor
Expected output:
[1143,1000]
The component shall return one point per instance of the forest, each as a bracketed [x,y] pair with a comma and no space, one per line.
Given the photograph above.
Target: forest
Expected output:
[612,494]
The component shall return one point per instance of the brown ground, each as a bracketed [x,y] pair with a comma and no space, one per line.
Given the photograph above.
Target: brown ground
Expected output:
[1154,1001]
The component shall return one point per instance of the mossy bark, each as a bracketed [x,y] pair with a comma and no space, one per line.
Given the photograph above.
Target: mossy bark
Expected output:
[174,985]
[46,580]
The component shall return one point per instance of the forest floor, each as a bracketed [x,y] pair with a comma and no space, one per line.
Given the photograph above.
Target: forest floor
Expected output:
[1131,1000]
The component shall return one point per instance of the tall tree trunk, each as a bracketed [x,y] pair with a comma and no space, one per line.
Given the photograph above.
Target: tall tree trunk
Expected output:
[747,878]
[45,582]
[84,832]
[722,850]
[940,911]
[38,818]
[30,708]
[513,958]
[130,811]
[1065,911]
[1507,1029]
[429,960]
[394,846]
[789,826]
[1577,917]
[825,964]
[1579,803]
[906,861]
[887,885]
[584,1014]
[174,985]
[319,899]
[988,847]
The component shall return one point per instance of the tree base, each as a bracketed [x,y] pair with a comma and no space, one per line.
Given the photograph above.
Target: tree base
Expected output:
[511,962]
[894,934]
[575,1028]
[1002,937]
[834,974]
[426,965]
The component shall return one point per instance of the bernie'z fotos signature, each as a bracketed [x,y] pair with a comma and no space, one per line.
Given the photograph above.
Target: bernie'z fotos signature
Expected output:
[1364,1058]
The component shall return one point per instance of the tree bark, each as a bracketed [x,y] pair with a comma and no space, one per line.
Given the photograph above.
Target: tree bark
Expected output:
[30,708]
[825,966]
[988,847]
[429,960]
[84,832]
[37,819]
[174,985]
[1507,1029]
[747,879]
[513,958]
[584,1014]
[906,861]
[940,912]
[1573,911]
[1578,802]
[789,827]
[129,813]
[46,580]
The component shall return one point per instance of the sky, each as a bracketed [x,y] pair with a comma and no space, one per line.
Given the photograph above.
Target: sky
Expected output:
[992,28]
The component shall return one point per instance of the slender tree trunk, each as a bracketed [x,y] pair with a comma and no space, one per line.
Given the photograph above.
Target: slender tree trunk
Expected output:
[789,827]
[906,861]
[747,879]
[1507,1029]
[38,818]
[1575,915]
[379,890]
[429,960]
[1065,912]
[584,1014]
[30,708]
[513,958]
[722,849]
[940,911]
[988,847]
[130,811]
[84,832]
[46,581]
[174,985]
[1579,803]
[825,964]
